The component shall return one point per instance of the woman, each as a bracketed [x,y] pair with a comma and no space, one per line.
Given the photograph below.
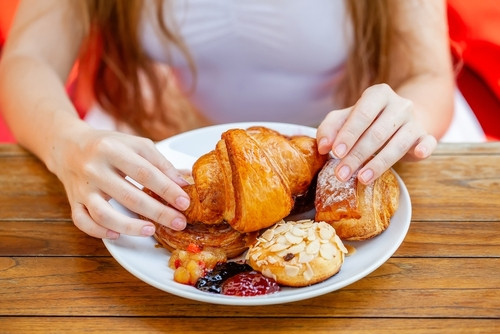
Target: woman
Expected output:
[374,76]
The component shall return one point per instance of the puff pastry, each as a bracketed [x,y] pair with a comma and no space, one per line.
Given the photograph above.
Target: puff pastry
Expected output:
[251,178]
[355,210]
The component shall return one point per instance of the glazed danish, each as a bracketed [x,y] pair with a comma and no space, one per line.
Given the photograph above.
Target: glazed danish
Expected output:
[355,210]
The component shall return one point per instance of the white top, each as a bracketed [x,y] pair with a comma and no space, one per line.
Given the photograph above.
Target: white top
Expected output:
[257,60]
[263,60]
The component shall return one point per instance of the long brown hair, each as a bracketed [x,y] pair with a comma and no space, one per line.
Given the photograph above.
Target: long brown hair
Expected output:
[121,66]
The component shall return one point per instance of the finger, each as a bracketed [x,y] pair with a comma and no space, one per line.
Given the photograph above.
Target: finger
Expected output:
[425,147]
[374,138]
[328,129]
[142,171]
[371,103]
[85,223]
[140,202]
[149,152]
[393,151]
[103,214]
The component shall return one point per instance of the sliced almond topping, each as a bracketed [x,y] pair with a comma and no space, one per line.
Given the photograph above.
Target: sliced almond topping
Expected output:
[327,251]
[297,231]
[271,259]
[266,272]
[308,273]
[255,256]
[281,228]
[311,235]
[292,238]
[278,247]
[295,249]
[340,244]
[313,247]
[282,240]
[291,271]
[305,258]
[268,234]
[326,232]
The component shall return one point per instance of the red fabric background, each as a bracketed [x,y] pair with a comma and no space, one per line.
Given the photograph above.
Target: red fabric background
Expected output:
[475,43]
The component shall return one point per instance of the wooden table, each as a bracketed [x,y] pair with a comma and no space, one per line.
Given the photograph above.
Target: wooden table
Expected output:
[445,277]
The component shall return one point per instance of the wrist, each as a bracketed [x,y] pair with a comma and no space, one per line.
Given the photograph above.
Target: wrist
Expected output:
[63,142]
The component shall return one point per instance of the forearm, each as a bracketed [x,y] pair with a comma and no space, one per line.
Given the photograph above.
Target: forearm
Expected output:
[421,67]
[36,107]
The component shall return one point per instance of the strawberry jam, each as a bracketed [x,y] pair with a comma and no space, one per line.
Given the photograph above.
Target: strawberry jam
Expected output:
[249,283]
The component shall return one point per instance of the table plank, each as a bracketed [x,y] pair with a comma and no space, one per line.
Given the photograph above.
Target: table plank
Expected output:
[30,191]
[47,238]
[437,287]
[451,239]
[453,188]
[242,325]
[486,148]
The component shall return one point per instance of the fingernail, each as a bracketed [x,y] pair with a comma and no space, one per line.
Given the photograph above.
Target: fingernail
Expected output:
[366,176]
[344,172]
[340,150]
[423,151]
[112,235]
[182,202]
[323,142]
[178,224]
[148,230]
[181,181]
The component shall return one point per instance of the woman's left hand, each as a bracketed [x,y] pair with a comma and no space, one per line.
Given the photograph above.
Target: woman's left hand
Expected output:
[375,133]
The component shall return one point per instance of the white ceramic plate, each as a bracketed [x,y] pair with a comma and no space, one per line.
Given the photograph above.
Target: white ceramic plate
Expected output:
[141,258]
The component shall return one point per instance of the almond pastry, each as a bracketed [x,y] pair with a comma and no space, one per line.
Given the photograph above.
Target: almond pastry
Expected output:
[298,253]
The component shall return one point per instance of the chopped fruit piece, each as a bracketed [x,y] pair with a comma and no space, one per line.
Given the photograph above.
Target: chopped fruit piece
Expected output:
[191,264]
[193,248]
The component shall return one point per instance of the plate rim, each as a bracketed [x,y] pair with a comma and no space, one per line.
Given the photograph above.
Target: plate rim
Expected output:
[304,292]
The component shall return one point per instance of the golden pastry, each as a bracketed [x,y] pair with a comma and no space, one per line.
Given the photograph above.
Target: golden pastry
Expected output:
[298,253]
[355,210]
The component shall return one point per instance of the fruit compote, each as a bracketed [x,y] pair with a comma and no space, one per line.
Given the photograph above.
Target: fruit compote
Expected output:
[236,279]
[194,262]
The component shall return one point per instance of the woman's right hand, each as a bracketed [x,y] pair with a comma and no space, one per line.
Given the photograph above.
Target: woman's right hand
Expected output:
[93,165]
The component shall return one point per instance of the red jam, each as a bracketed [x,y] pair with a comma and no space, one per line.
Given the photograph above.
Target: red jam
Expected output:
[250,283]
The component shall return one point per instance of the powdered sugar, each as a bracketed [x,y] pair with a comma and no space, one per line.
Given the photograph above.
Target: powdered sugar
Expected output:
[335,191]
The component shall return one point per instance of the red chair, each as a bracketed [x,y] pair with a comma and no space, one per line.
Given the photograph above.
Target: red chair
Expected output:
[475,42]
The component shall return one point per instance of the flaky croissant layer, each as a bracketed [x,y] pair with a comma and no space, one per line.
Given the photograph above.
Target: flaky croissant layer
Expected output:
[251,178]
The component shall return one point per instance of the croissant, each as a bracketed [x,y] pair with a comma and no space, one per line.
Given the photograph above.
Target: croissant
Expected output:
[355,210]
[251,178]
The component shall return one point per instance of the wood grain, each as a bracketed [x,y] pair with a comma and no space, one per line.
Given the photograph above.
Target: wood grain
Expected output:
[454,188]
[444,278]
[99,286]
[243,325]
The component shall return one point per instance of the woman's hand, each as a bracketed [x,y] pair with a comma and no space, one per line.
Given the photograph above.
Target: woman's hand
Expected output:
[380,129]
[93,170]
